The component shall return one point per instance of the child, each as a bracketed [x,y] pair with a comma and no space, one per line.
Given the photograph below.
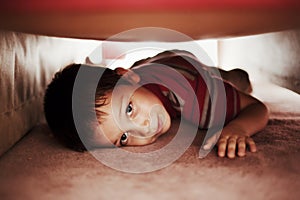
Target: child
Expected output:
[139,108]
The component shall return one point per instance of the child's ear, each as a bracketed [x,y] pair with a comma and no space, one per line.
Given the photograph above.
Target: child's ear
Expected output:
[131,76]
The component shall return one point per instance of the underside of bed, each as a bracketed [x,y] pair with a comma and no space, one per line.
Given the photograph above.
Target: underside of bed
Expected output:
[196,18]
[195,24]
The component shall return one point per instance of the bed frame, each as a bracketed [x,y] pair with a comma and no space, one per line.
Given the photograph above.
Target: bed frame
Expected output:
[94,19]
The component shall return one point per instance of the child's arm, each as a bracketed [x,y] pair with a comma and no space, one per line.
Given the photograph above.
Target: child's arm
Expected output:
[235,136]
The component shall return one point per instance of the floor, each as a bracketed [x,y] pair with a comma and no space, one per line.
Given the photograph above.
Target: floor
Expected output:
[40,168]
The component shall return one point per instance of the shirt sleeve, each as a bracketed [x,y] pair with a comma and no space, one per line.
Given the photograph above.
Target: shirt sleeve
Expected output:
[225,103]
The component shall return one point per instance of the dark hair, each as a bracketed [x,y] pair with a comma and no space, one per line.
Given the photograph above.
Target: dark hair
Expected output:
[58,104]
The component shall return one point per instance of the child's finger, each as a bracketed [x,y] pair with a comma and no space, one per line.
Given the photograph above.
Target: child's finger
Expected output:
[252,146]
[222,147]
[133,77]
[210,142]
[231,147]
[241,142]
[128,74]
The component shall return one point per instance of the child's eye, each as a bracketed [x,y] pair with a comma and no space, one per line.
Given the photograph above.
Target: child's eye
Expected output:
[124,139]
[129,109]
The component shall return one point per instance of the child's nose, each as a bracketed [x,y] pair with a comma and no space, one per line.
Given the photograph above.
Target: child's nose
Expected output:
[141,125]
[142,121]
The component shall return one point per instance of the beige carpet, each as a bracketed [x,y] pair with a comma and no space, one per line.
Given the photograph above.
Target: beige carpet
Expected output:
[39,168]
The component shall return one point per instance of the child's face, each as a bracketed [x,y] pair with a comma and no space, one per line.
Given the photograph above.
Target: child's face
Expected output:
[134,117]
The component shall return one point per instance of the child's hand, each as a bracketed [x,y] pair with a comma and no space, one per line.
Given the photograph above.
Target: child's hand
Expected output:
[231,144]
[233,139]
[128,74]
[235,144]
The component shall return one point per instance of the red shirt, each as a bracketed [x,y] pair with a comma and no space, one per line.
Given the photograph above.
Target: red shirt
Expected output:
[186,88]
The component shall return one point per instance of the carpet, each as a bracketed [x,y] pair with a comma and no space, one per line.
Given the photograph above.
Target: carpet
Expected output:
[38,167]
